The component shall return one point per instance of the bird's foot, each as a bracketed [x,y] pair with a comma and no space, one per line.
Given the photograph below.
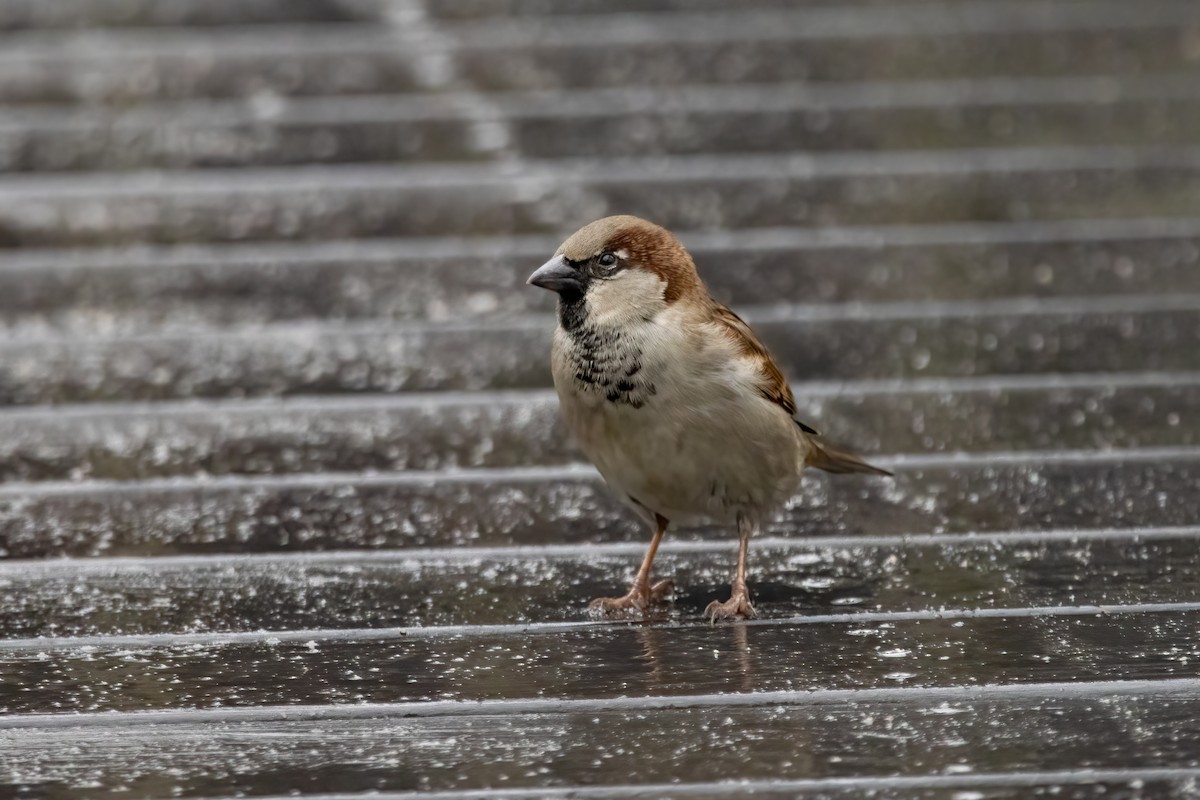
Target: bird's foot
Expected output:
[640,597]
[738,605]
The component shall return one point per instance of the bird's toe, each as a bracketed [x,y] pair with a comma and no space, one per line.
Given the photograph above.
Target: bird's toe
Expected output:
[736,607]
[662,590]
[639,599]
[612,606]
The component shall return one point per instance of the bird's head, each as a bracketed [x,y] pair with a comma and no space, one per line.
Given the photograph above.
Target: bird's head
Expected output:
[618,269]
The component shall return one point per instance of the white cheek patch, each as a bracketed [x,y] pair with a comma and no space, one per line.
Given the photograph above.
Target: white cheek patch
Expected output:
[628,296]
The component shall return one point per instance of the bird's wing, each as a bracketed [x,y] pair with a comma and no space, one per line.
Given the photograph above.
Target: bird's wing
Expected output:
[775,388]
[772,384]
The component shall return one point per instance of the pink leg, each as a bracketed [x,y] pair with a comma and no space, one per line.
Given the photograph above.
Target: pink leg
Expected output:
[738,604]
[642,594]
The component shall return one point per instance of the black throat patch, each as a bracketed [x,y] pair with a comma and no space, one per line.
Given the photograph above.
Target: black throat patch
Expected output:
[572,312]
[605,361]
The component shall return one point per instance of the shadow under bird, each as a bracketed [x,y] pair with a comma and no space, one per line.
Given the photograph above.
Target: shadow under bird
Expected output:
[672,396]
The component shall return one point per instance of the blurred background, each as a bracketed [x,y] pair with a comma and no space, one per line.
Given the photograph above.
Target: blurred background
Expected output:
[277,424]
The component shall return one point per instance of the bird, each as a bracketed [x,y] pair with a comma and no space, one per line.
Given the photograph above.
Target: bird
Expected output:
[673,398]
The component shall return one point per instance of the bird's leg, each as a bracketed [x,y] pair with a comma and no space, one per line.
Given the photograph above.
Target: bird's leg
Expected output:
[738,604]
[642,594]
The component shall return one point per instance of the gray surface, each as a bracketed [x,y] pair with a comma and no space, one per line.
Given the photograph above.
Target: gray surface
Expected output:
[403,588]
[287,508]
[917,115]
[536,506]
[931,733]
[889,188]
[854,42]
[606,662]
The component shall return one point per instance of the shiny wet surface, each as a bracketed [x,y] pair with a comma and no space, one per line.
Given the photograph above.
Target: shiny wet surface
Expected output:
[287,508]
[680,657]
[399,588]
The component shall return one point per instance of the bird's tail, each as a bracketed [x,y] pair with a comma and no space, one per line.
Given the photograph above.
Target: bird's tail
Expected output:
[837,462]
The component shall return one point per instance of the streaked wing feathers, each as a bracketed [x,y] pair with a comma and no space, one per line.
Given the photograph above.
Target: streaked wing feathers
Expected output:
[772,384]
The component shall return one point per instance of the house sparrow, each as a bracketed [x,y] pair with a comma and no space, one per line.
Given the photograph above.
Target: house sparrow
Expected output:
[671,395]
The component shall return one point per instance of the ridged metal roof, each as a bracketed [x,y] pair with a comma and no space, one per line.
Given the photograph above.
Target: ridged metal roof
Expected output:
[286,507]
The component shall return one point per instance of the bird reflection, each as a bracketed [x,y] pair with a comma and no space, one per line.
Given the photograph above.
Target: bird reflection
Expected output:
[732,666]
[650,637]
[741,652]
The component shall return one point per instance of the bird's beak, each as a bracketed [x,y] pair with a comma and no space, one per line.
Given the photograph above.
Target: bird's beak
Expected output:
[557,276]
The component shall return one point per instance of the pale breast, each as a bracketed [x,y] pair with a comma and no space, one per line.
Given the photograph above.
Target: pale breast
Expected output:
[671,425]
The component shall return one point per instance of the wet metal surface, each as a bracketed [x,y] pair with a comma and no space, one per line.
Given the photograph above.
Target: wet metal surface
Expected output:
[285,505]
[926,733]
[854,43]
[612,661]
[1127,489]
[402,588]
[909,115]
[705,192]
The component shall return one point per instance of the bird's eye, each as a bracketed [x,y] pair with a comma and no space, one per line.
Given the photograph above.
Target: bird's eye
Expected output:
[607,260]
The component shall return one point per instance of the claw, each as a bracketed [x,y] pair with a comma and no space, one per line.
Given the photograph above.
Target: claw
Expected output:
[639,599]
[660,590]
[736,606]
